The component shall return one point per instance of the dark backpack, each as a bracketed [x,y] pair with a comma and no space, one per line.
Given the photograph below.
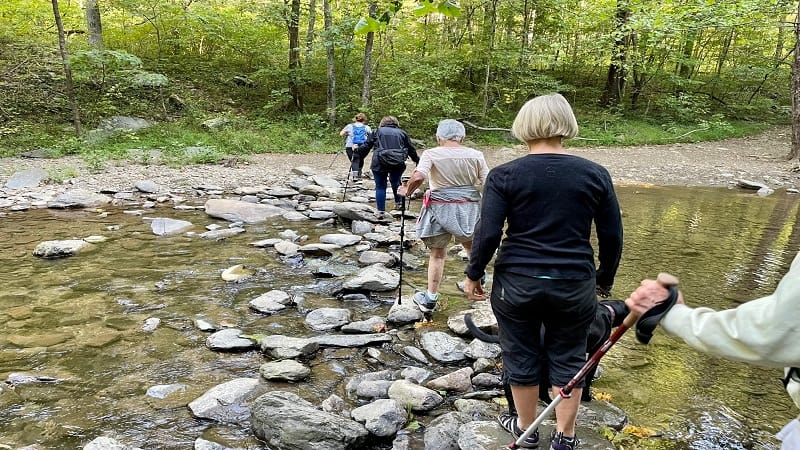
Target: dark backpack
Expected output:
[359,134]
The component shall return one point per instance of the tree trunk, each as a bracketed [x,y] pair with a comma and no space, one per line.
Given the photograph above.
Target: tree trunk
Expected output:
[795,152]
[723,54]
[490,49]
[294,56]
[615,81]
[94,25]
[62,44]
[366,93]
[312,16]
[686,68]
[326,11]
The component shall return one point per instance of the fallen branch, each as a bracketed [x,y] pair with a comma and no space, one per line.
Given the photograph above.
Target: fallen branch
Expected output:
[466,122]
[686,134]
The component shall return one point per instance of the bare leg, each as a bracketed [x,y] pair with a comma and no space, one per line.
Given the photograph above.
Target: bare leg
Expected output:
[525,399]
[435,269]
[467,247]
[567,411]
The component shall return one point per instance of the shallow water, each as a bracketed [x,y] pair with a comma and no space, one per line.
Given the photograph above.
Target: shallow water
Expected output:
[79,319]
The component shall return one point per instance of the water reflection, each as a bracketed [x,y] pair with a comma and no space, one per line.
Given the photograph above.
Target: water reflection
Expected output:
[78,319]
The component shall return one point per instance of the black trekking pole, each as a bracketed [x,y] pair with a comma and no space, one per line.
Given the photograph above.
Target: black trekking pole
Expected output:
[666,280]
[402,243]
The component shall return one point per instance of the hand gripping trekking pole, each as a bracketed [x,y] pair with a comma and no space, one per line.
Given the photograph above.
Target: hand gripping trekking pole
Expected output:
[668,281]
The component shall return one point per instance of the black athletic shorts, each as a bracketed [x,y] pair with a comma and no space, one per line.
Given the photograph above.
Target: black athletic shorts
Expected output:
[522,304]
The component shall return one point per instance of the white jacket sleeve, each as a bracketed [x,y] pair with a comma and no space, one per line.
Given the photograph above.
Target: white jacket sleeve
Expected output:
[765,331]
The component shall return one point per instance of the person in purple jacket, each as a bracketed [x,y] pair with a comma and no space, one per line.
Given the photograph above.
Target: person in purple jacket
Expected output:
[544,272]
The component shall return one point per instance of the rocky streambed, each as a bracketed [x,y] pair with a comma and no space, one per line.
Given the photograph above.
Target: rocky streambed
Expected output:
[356,370]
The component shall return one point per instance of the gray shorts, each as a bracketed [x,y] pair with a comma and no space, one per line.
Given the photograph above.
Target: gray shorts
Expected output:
[542,318]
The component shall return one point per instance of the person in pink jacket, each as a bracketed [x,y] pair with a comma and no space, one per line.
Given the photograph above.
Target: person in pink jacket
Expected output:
[764,331]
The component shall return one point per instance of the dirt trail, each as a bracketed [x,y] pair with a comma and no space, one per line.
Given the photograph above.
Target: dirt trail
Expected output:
[758,158]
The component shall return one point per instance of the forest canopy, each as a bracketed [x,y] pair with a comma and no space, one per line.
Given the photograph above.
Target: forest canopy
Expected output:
[695,64]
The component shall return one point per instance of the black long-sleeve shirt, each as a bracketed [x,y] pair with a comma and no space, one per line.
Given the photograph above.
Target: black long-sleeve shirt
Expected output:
[549,202]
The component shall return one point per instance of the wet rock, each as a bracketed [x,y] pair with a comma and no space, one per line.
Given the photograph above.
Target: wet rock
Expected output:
[287,248]
[415,353]
[482,365]
[416,374]
[765,192]
[417,397]
[148,186]
[405,312]
[324,319]
[284,347]
[18,378]
[223,233]
[266,242]
[487,381]
[458,381]
[374,324]
[382,417]
[295,216]
[321,215]
[26,178]
[351,340]
[361,227]
[305,171]
[371,257]
[354,382]
[228,401]
[79,198]
[333,404]
[228,340]
[237,273]
[163,226]
[238,211]
[318,249]
[287,422]
[285,370]
[107,443]
[326,181]
[443,347]
[481,435]
[373,278]
[373,389]
[480,349]
[164,390]
[751,185]
[202,444]
[205,325]
[442,432]
[478,409]
[60,249]
[281,192]
[342,240]
[482,317]
[271,302]
[151,324]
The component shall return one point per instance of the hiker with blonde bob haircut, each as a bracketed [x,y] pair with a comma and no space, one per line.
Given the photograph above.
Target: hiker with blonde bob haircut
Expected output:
[544,273]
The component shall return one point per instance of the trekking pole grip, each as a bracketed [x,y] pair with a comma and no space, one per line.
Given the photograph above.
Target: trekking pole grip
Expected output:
[665,279]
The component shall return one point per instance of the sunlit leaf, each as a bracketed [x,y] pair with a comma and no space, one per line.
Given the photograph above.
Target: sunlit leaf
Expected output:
[367,25]
[449,9]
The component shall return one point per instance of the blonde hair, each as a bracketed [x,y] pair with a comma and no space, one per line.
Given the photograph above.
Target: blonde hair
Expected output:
[544,117]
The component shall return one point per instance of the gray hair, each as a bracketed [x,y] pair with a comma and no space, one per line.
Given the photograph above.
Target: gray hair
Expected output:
[544,117]
[451,130]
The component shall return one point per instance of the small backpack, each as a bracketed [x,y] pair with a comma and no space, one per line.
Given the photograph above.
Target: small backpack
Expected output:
[359,134]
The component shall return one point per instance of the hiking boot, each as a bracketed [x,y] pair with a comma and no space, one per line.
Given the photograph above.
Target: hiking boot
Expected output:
[424,302]
[509,423]
[560,442]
